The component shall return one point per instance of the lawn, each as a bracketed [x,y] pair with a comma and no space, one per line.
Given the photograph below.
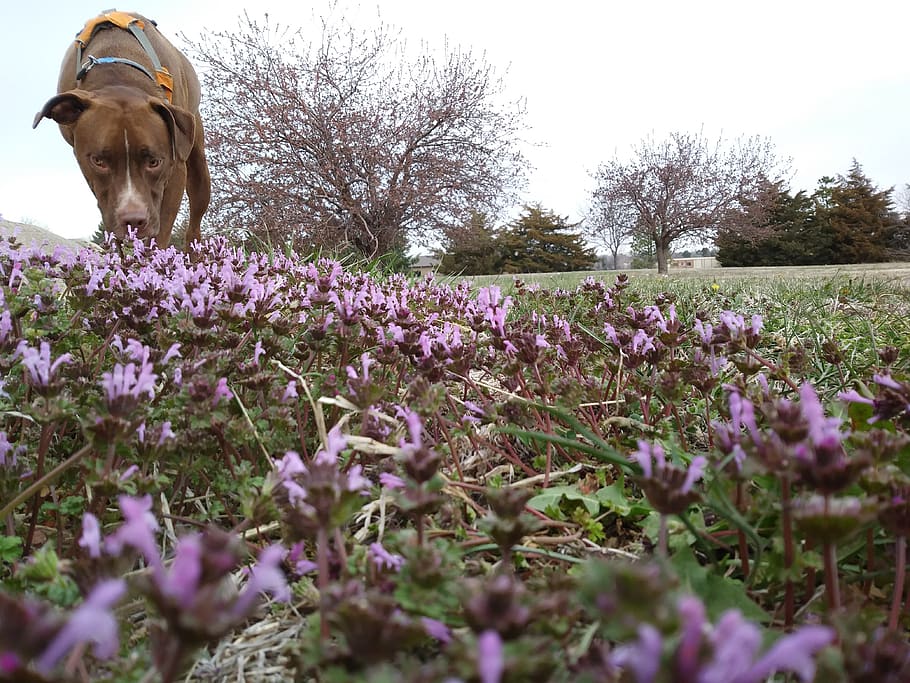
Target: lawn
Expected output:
[258,467]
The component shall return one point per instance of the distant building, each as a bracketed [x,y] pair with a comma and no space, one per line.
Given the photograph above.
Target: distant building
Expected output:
[694,262]
[424,264]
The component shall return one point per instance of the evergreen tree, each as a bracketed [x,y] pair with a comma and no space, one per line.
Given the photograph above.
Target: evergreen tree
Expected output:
[861,218]
[774,228]
[540,241]
[471,249]
[644,253]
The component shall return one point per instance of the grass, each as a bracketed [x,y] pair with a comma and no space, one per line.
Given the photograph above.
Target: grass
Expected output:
[897,273]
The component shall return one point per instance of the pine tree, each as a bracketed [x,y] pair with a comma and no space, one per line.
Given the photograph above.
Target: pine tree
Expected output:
[471,248]
[861,218]
[540,241]
[774,228]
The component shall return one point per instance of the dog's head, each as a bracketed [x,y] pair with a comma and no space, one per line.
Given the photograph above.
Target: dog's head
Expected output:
[129,146]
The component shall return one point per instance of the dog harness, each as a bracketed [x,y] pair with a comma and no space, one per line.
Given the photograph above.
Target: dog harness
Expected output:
[134,25]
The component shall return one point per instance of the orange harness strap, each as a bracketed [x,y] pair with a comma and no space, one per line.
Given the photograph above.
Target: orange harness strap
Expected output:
[127,22]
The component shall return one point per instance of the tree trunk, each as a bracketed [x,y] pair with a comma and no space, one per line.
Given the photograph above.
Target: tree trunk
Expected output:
[663,257]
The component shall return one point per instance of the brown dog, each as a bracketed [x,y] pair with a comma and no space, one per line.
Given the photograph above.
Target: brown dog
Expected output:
[128,104]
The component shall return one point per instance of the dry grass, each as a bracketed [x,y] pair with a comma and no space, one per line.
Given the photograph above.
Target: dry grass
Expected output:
[897,273]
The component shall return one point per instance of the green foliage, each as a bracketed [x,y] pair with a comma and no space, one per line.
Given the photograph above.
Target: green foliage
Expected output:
[471,249]
[540,241]
[644,253]
[846,220]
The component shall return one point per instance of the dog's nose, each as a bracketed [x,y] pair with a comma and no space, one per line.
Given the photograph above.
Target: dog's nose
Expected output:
[135,219]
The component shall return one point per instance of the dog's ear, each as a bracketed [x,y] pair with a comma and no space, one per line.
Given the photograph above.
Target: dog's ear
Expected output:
[65,108]
[181,124]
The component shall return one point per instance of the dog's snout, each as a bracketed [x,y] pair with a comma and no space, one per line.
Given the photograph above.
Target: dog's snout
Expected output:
[135,218]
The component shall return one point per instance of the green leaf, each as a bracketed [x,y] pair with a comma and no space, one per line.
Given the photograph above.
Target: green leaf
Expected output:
[554,496]
[719,593]
[613,498]
[72,505]
[10,548]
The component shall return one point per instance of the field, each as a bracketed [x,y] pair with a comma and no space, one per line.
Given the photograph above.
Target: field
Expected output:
[893,273]
[255,467]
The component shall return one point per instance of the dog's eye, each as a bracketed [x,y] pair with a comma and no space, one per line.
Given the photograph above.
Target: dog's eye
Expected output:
[153,162]
[98,162]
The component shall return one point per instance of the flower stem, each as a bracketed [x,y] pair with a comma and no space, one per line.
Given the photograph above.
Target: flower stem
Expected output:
[787,524]
[832,587]
[831,579]
[900,574]
[47,479]
[662,544]
[743,544]
[322,579]
[44,443]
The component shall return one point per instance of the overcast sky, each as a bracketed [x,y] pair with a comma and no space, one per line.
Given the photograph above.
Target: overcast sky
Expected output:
[826,81]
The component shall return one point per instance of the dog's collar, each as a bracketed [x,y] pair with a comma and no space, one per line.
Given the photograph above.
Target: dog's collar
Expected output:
[135,26]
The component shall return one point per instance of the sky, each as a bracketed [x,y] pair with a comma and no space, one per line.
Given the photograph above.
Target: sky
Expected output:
[827,82]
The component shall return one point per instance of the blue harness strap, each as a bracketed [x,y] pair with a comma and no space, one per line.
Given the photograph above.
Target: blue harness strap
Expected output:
[93,61]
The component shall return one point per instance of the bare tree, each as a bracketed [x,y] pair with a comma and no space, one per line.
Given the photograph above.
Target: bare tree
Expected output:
[346,140]
[609,224]
[685,186]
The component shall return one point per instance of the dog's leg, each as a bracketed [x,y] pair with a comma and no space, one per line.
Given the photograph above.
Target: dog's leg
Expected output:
[170,205]
[198,186]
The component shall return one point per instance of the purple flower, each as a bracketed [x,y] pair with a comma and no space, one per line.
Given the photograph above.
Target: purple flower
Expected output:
[92,621]
[222,392]
[705,331]
[365,363]
[181,579]
[166,433]
[436,629]
[265,577]
[887,381]
[692,616]
[667,486]
[735,641]
[300,563]
[91,535]
[694,472]
[41,369]
[129,472]
[258,350]
[853,396]
[6,325]
[490,658]
[793,652]
[391,481]
[172,352]
[290,392]
[824,432]
[124,386]
[648,454]
[290,465]
[642,343]
[641,657]
[336,442]
[610,331]
[383,559]
[138,531]
[7,453]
